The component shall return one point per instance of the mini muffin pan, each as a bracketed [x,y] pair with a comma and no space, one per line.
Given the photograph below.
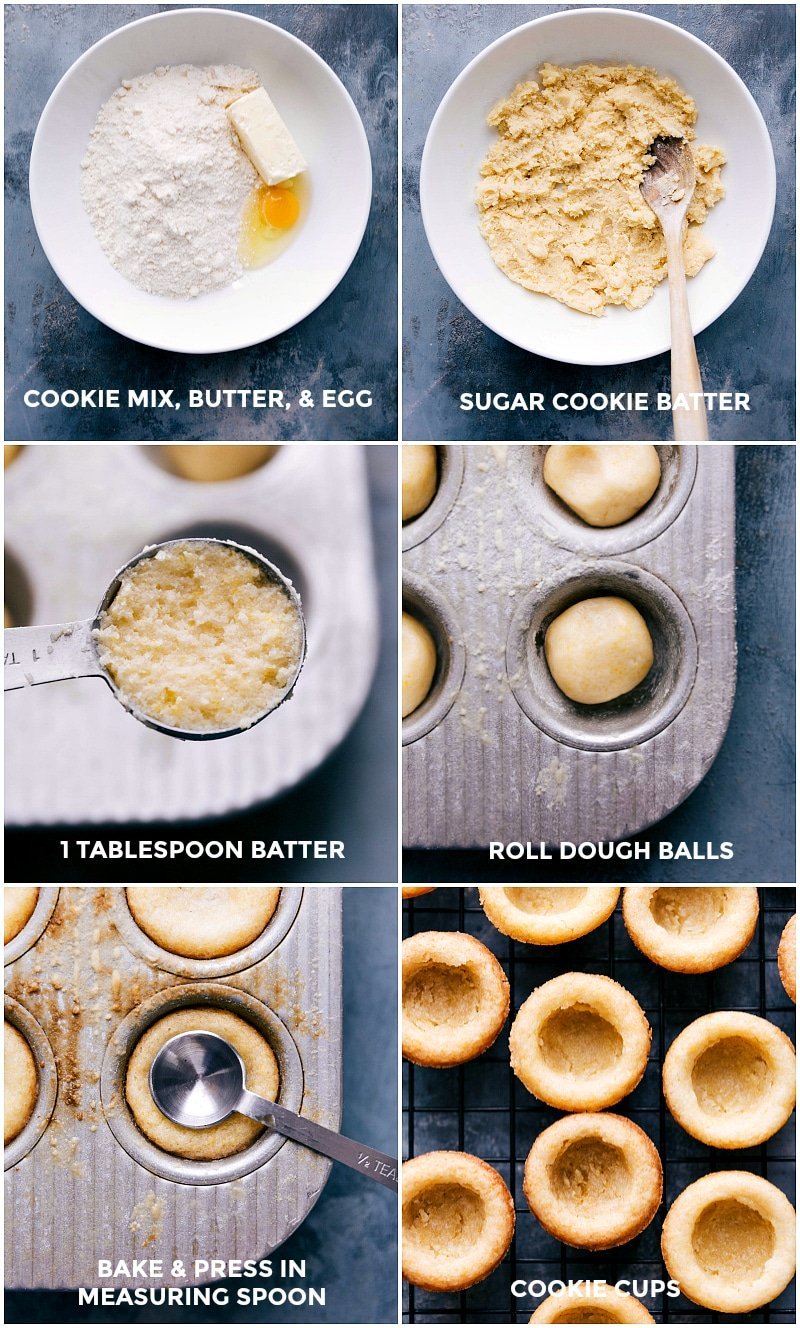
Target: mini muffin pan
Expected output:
[74,515]
[496,751]
[82,992]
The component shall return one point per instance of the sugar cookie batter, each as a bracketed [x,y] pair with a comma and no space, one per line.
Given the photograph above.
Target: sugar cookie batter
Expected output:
[231,1135]
[19,901]
[559,199]
[203,921]
[20,1082]
[198,638]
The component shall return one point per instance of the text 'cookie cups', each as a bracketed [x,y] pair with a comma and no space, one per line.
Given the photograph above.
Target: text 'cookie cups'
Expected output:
[591,1302]
[729,1242]
[593,1180]
[690,928]
[458,1220]
[580,1042]
[729,1079]
[455,998]
[787,958]
[548,914]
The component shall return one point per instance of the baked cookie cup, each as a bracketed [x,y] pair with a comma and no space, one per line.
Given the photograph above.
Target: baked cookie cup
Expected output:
[413,891]
[787,958]
[589,1302]
[593,1180]
[729,1079]
[691,928]
[729,1242]
[458,1220]
[548,914]
[580,1042]
[456,998]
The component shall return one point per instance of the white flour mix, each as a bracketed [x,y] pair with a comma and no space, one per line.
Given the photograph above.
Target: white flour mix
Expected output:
[164,179]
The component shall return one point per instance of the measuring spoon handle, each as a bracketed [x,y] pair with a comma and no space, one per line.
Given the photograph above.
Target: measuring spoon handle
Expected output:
[34,655]
[368,1161]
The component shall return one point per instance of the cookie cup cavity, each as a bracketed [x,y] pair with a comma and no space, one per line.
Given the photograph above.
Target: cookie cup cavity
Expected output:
[580,1042]
[690,929]
[729,1242]
[729,1079]
[458,1220]
[594,1180]
[455,998]
[548,914]
[586,1302]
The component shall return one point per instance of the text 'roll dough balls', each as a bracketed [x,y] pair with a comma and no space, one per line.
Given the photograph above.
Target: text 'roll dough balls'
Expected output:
[599,649]
[419,663]
[604,486]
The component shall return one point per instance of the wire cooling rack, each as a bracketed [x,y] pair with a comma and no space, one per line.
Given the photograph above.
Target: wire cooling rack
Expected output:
[482,1107]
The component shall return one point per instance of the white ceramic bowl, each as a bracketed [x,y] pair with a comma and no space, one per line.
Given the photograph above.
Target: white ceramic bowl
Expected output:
[323,119]
[459,138]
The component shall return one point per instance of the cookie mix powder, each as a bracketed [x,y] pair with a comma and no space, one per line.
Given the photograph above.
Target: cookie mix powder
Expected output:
[164,180]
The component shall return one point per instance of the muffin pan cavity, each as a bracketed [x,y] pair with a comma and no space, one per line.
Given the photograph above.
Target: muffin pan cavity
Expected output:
[565,527]
[120,1119]
[450,466]
[639,714]
[38,920]
[157,956]
[47,1075]
[430,607]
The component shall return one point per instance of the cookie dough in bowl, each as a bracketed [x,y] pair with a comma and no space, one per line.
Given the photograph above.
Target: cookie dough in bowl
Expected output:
[548,914]
[729,1079]
[458,1220]
[688,928]
[20,1082]
[729,1242]
[217,1141]
[202,921]
[598,649]
[589,1302]
[593,1180]
[19,901]
[580,1042]
[456,998]
[787,958]
[606,485]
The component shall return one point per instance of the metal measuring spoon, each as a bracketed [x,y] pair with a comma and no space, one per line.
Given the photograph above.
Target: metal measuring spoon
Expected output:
[35,655]
[198,1079]
[668,188]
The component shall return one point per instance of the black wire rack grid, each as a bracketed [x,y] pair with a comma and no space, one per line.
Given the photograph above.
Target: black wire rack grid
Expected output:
[482,1108]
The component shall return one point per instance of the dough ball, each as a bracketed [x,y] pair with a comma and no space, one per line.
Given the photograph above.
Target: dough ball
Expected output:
[598,649]
[605,485]
[420,478]
[215,461]
[20,1082]
[10,453]
[231,1135]
[419,663]
[203,921]
[19,901]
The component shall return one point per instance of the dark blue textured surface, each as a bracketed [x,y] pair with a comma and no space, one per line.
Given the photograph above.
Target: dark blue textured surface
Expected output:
[350,1238]
[447,350]
[349,342]
[748,796]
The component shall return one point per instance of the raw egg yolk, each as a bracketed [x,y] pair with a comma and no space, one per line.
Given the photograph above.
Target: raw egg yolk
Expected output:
[279,206]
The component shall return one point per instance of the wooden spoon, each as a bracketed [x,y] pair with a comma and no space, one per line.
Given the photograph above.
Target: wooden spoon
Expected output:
[668,188]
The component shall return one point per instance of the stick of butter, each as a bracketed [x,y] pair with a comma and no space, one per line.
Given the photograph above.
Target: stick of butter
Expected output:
[265,138]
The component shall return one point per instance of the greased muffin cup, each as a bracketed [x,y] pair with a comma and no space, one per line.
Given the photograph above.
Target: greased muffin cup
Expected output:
[510,758]
[88,994]
[284,510]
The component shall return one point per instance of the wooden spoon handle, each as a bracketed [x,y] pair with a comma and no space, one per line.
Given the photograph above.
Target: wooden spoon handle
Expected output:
[689,422]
